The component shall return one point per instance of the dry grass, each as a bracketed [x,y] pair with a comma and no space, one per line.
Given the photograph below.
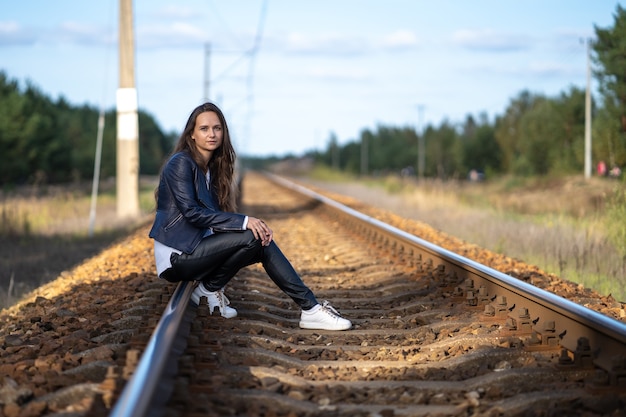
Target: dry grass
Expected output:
[560,225]
[46,230]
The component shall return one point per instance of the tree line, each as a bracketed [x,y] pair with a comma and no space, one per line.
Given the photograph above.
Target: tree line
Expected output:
[536,134]
[45,140]
[51,141]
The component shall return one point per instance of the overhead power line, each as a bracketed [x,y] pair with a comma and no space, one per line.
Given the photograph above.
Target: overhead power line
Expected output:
[253,53]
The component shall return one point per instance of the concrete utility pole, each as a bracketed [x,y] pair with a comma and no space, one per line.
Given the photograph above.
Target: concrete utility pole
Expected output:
[421,149]
[127,179]
[364,155]
[588,114]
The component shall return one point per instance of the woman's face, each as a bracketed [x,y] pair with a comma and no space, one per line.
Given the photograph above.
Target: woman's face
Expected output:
[208,133]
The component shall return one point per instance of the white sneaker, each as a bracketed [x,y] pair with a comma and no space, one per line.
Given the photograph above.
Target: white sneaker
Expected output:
[323,317]
[214,299]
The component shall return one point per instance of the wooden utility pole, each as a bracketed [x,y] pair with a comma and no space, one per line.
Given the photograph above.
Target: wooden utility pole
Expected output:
[127,120]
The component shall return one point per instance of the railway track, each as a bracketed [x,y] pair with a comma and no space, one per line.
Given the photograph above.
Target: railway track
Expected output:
[434,334]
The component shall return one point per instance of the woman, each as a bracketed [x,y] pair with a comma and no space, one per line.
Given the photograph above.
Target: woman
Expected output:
[197,236]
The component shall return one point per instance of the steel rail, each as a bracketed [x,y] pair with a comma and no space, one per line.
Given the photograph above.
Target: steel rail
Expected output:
[570,320]
[141,395]
[148,390]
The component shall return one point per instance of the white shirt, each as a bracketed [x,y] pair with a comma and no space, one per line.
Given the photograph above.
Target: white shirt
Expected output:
[162,255]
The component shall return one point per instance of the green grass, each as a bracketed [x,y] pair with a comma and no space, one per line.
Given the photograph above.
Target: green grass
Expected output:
[323,173]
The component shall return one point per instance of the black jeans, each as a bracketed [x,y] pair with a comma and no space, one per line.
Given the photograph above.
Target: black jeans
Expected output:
[220,256]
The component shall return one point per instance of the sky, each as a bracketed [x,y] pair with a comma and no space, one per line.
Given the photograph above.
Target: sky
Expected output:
[290,74]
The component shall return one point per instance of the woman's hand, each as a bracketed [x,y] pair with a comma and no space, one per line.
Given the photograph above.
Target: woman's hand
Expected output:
[260,230]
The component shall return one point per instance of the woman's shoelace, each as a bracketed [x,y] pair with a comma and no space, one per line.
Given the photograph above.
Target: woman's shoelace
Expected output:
[326,305]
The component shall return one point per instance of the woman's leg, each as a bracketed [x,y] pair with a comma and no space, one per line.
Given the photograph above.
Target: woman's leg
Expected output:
[314,316]
[220,256]
[233,249]
[285,277]
[275,264]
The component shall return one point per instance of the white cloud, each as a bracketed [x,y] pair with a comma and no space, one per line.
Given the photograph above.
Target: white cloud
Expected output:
[80,33]
[11,33]
[174,11]
[551,69]
[338,44]
[176,34]
[9,27]
[71,32]
[336,73]
[490,40]
[326,44]
[524,70]
[400,39]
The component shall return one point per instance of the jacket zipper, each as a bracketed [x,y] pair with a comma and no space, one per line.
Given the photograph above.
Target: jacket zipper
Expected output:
[173,222]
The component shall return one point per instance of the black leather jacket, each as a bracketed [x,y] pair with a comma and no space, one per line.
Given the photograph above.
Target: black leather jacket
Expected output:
[186,208]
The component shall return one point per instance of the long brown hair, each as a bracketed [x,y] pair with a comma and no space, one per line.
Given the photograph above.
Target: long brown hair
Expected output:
[222,163]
